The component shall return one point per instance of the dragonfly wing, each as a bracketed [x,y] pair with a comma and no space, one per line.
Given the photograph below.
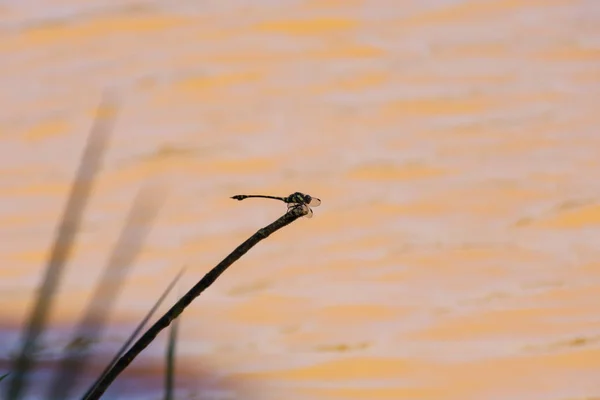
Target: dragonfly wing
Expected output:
[309,212]
[314,202]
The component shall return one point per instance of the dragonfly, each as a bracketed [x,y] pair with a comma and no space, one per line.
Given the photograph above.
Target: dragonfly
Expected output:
[294,200]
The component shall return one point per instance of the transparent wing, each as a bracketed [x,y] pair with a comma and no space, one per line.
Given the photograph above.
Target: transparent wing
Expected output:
[309,212]
[314,202]
[303,207]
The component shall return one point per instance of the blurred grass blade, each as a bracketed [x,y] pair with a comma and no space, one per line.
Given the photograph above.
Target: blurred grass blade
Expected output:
[90,328]
[62,246]
[4,376]
[135,333]
[170,360]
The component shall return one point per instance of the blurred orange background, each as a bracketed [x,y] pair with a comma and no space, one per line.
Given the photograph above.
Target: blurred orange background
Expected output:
[454,145]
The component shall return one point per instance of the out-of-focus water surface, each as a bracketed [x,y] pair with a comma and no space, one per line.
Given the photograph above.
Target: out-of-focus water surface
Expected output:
[454,145]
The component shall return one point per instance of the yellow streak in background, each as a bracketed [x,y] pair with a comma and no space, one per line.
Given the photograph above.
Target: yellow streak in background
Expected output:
[46,130]
[314,26]
[396,173]
[579,218]
[98,27]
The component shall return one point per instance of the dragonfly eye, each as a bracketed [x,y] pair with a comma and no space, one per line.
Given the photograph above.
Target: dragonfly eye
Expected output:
[307,198]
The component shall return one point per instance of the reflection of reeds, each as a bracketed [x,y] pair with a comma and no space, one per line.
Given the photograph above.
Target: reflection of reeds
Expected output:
[63,244]
[91,325]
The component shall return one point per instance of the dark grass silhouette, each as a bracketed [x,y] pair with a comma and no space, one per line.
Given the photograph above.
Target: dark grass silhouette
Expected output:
[170,361]
[91,325]
[62,246]
[135,333]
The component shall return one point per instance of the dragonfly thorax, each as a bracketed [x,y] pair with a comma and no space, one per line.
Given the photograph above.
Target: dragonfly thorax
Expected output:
[299,198]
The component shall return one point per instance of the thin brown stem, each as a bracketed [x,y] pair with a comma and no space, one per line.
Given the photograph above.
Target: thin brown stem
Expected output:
[187,299]
[137,330]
